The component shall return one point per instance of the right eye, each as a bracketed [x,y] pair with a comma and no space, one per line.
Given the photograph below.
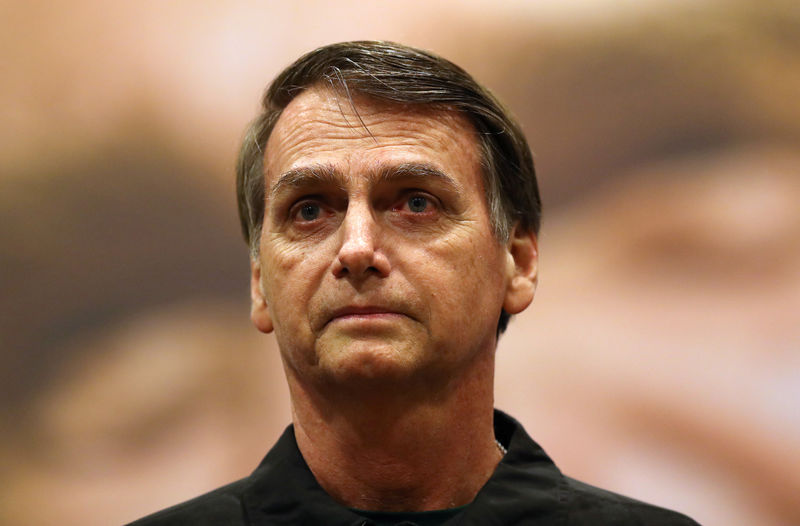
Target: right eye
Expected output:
[308,212]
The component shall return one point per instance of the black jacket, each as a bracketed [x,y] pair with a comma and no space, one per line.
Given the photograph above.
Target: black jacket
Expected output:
[526,488]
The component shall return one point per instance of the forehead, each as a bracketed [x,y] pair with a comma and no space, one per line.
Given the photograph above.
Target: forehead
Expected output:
[323,126]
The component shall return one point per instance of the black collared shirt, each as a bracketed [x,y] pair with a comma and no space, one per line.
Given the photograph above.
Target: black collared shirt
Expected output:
[526,489]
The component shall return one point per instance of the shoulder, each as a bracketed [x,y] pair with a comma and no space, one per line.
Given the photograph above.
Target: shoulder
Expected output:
[591,505]
[220,506]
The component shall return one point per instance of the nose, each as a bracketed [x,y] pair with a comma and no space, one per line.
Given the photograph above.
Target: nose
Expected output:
[360,254]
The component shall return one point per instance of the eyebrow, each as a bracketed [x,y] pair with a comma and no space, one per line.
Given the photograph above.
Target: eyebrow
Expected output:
[328,175]
[305,176]
[420,171]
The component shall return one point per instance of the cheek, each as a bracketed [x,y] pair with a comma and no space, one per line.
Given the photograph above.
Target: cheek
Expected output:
[463,278]
[291,274]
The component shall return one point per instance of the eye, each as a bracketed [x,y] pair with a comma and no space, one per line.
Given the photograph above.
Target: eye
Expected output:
[417,203]
[308,212]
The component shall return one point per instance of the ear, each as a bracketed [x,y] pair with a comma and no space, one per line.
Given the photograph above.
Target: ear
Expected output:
[259,311]
[522,270]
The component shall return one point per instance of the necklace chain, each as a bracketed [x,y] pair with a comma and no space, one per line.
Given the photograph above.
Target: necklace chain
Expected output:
[500,447]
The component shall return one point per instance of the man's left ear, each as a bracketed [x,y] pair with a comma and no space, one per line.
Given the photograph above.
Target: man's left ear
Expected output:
[522,269]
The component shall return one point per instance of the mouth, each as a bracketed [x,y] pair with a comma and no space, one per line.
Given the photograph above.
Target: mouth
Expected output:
[365,313]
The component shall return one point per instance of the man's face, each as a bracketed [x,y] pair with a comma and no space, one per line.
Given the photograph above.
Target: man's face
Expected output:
[377,255]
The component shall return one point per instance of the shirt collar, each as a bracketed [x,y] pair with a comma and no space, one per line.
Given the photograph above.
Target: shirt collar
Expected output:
[526,484]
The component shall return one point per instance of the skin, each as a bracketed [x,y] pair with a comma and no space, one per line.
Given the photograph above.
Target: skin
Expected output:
[381,277]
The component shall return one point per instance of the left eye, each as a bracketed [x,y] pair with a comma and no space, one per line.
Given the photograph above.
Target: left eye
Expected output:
[417,203]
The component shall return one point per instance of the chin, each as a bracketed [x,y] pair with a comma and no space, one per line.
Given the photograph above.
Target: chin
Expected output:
[370,361]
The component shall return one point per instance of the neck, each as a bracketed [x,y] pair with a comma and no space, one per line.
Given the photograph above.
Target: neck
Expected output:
[387,448]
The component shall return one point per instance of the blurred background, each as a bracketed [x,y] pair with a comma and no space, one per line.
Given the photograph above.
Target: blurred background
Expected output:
[661,357]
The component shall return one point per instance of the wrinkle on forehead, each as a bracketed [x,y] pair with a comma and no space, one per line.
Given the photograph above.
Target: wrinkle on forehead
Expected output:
[366,121]
[353,107]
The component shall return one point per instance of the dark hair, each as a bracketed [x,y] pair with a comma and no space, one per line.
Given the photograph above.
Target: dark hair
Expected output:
[396,73]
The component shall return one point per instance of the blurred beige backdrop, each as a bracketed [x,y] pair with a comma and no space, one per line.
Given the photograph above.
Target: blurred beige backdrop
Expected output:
[661,357]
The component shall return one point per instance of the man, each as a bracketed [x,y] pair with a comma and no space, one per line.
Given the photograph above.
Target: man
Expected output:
[391,209]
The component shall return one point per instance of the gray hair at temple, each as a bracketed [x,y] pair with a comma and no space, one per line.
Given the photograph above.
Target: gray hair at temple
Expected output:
[396,73]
